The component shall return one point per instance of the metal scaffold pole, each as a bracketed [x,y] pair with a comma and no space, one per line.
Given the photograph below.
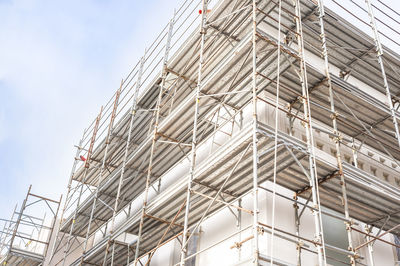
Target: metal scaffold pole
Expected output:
[6,229]
[336,138]
[57,241]
[155,135]
[103,165]
[255,247]
[203,31]
[18,221]
[379,54]
[132,113]
[52,227]
[297,225]
[309,137]
[368,230]
[87,164]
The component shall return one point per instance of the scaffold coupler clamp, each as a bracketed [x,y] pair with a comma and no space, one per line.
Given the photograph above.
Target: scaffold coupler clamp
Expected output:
[348,224]
[338,138]
[299,245]
[317,240]
[260,230]
[334,115]
[237,245]
[367,229]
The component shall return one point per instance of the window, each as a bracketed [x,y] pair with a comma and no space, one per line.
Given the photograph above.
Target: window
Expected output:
[333,152]
[320,145]
[386,177]
[290,131]
[373,170]
[335,236]
[360,165]
[347,159]
[192,248]
[397,242]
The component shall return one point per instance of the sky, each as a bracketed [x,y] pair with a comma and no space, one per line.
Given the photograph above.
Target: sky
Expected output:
[59,62]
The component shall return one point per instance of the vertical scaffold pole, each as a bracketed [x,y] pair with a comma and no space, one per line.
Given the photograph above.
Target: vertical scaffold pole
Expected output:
[239,226]
[87,164]
[379,53]
[335,129]
[355,153]
[52,227]
[310,142]
[103,165]
[132,113]
[67,198]
[370,245]
[255,247]
[203,31]
[18,221]
[6,230]
[297,225]
[154,140]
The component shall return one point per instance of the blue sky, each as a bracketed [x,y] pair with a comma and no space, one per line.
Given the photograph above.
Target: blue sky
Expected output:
[59,62]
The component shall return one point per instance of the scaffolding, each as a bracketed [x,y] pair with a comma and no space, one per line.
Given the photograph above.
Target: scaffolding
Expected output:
[25,238]
[205,86]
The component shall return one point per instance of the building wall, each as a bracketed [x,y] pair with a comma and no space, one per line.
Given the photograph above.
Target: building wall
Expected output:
[224,223]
